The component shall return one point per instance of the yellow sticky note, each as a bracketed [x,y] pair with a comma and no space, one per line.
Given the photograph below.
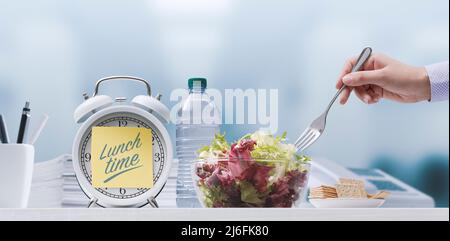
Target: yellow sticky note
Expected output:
[122,157]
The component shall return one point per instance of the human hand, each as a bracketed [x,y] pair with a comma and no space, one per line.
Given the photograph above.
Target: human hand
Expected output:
[383,77]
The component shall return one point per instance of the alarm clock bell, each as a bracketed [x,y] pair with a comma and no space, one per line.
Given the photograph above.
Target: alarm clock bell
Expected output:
[90,106]
[152,105]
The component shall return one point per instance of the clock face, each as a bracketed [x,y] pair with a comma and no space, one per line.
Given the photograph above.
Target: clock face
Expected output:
[123,119]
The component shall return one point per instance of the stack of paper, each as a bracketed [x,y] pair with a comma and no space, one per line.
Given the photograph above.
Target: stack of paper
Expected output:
[55,185]
[73,196]
[168,196]
[46,187]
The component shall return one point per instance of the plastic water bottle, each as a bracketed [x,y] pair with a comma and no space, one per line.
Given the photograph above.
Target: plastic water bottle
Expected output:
[198,121]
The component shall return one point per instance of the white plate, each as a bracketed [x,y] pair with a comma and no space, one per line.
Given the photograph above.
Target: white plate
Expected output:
[346,203]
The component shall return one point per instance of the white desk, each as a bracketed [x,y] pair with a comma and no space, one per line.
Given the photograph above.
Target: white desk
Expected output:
[169,211]
[226,214]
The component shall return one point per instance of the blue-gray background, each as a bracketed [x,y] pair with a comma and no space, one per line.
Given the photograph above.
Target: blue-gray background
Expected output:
[51,51]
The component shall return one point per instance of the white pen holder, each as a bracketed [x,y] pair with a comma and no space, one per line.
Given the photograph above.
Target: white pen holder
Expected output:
[16,171]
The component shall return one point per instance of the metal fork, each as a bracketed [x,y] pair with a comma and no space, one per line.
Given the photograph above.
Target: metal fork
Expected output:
[317,127]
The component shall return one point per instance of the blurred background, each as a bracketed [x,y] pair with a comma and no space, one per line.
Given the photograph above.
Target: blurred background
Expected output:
[52,51]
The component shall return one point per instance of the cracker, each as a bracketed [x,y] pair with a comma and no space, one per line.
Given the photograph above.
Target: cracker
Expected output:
[379,195]
[324,188]
[350,191]
[352,182]
[323,192]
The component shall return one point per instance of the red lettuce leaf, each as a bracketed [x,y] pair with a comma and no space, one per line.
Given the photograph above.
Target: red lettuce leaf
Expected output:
[240,158]
[204,170]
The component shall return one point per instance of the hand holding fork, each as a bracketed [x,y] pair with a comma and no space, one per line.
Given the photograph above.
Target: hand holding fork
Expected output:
[317,127]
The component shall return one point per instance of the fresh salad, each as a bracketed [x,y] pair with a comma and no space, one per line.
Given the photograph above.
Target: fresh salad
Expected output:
[259,170]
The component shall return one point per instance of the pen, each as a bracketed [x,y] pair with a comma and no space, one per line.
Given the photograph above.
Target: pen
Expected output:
[4,137]
[24,123]
[38,130]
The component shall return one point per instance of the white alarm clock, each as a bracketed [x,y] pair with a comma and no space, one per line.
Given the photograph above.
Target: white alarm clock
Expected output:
[144,111]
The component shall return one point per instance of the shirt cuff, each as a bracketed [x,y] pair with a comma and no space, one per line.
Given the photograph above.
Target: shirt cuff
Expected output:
[438,74]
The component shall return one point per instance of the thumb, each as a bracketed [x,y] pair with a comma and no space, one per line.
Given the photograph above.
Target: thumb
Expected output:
[363,78]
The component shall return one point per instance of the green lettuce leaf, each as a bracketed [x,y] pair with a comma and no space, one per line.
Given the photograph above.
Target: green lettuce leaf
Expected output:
[213,195]
[249,194]
[218,149]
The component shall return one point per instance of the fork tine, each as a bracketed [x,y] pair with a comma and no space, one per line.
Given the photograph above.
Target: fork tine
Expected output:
[302,136]
[309,144]
[316,137]
[308,133]
[303,147]
[310,141]
[305,142]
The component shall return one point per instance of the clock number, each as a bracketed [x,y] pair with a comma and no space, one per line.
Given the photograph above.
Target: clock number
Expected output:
[123,123]
[87,157]
[122,191]
[157,157]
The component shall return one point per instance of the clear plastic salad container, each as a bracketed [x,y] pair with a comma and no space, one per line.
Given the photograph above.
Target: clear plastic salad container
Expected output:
[259,170]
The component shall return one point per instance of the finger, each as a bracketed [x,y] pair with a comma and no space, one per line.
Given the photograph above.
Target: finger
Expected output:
[375,96]
[350,63]
[375,77]
[370,63]
[378,91]
[345,95]
[345,70]
[339,84]
[373,101]
[363,95]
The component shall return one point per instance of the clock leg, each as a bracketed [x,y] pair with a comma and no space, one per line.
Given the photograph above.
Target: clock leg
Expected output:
[152,202]
[92,202]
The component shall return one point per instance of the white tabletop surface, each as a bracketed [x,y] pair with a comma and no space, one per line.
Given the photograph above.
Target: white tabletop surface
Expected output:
[169,212]
[226,214]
